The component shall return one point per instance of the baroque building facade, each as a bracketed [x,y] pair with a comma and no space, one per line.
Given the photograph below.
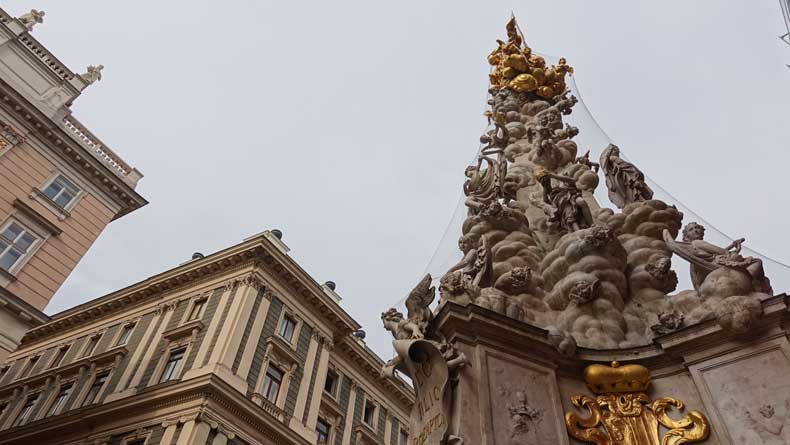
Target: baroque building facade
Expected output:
[238,347]
[61,184]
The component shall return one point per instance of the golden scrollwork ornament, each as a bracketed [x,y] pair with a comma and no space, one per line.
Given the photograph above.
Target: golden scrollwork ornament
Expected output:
[622,414]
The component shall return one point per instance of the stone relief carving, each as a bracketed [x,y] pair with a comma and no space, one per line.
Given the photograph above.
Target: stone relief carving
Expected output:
[523,419]
[32,18]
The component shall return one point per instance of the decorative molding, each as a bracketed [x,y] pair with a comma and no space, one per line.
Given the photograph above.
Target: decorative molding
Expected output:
[61,213]
[107,359]
[186,330]
[38,218]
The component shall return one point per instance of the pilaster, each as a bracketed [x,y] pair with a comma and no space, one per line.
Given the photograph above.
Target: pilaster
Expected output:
[349,420]
[165,311]
[134,361]
[388,429]
[255,333]
[304,384]
[194,432]
[320,380]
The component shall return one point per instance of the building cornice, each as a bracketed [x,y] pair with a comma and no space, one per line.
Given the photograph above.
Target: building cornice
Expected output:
[22,309]
[67,146]
[254,251]
[371,364]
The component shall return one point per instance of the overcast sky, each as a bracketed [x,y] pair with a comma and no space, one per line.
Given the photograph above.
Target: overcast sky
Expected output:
[348,124]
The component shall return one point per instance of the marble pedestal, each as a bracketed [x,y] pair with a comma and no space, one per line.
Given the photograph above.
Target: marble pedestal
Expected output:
[516,387]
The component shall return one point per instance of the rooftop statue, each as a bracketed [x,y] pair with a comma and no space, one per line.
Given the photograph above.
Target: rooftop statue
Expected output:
[32,18]
[93,74]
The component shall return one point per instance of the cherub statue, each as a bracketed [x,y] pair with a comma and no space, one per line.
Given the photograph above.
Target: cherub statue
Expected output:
[567,211]
[625,182]
[93,74]
[706,257]
[32,18]
[477,261]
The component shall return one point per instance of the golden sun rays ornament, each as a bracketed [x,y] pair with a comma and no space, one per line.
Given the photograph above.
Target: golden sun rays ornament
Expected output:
[516,68]
[622,413]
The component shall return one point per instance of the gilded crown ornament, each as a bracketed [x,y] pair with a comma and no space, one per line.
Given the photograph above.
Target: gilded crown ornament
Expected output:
[516,68]
[616,379]
[623,414]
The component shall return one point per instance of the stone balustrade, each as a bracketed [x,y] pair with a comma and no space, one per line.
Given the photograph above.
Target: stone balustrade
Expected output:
[101,152]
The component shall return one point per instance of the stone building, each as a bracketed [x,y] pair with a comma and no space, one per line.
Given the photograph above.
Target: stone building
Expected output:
[238,347]
[61,185]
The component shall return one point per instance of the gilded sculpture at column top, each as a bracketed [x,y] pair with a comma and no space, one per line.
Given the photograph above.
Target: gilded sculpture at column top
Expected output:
[516,68]
[622,413]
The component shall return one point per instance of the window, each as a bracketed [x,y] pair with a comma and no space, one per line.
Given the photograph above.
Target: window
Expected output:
[91,346]
[59,355]
[61,191]
[15,243]
[96,387]
[287,327]
[24,415]
[369,414]
[125,334]
[197,309]
[403,438]
[171,366]
[60,399]
[323,429]
[330,386]
[271,383]
[28,367]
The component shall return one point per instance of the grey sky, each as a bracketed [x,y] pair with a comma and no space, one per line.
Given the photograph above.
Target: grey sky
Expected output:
[348,124]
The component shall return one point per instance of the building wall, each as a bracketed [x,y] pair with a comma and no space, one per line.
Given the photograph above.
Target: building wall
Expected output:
[233,340]
[29,166]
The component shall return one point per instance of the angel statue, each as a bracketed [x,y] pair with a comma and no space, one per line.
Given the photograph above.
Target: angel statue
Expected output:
[415,325]
[706,257]
[564,206]
[625,182]
[32,18]
[93,74]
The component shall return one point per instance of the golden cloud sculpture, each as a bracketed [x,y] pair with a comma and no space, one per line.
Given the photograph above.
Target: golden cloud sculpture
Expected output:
[516,68]
[622,413]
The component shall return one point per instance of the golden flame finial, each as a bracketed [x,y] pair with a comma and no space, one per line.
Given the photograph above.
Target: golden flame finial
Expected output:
[516,68]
